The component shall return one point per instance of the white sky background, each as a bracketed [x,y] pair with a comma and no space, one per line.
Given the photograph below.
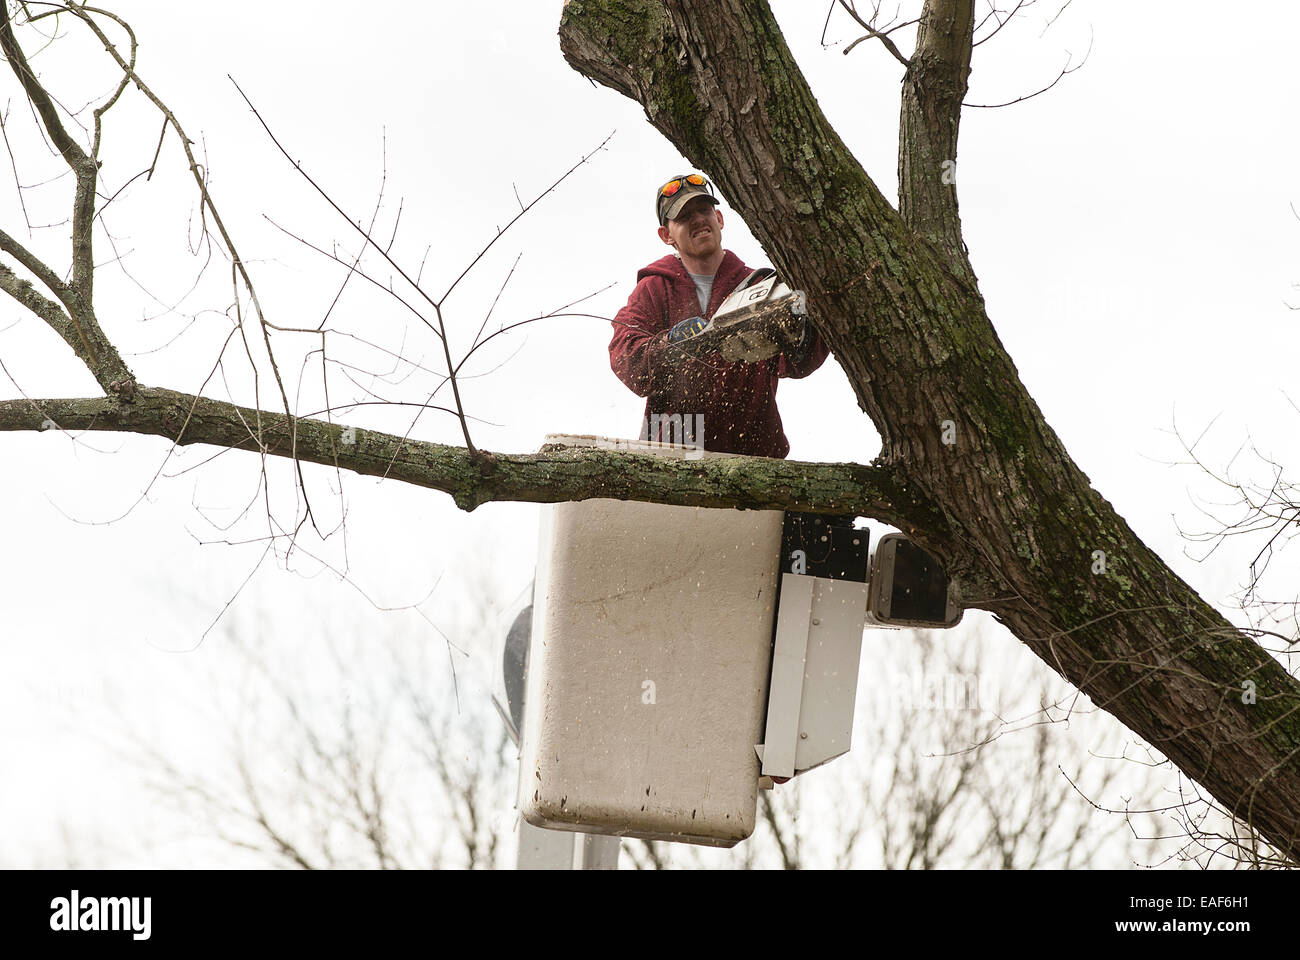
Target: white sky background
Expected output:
[1132,230]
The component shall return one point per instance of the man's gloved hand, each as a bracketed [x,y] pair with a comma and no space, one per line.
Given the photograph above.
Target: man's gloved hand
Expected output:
[690,327]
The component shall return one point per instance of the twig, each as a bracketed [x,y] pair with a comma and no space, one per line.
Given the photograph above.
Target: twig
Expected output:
[1065,71]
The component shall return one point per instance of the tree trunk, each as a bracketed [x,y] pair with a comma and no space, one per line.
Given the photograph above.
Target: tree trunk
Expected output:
[1014,519]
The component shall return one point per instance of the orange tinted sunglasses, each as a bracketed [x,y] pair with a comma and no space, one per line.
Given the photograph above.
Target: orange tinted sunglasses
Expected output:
[676,183]
[674,186]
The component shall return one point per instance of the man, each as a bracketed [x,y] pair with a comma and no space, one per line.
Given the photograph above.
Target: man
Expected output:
[735,402]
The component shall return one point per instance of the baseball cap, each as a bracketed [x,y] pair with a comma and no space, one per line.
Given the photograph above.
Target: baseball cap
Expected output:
[679,191]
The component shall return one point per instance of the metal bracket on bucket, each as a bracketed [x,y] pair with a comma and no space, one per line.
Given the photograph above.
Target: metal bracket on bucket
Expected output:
[814,673]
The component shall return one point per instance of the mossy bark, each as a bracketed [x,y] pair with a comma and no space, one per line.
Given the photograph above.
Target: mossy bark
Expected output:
[896,299]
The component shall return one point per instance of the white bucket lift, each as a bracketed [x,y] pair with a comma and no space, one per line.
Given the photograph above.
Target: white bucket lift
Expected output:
[662,688]
[647,679]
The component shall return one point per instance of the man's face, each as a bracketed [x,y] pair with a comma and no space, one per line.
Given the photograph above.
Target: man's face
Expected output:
[697,232]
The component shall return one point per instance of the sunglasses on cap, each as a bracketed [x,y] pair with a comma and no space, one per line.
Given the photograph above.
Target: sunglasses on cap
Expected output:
[691,182]
[670,188]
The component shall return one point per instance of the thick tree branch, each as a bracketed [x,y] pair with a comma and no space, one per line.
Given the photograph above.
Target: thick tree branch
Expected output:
[933,90]
[555,475]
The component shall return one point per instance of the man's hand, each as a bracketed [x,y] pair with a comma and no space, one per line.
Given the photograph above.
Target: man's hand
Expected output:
[691,327]
[688,339]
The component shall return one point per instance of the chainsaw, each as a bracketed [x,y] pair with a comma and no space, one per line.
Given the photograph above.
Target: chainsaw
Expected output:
[759,319]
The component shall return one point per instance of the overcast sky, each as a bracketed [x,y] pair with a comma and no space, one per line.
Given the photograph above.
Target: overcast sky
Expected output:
[1133,230]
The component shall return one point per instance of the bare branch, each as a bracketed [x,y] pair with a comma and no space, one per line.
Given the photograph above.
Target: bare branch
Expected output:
[86,170]
[872,32]
[239,272]
[38,95]
[86,339]
[42,272]
[1065,71]
[1056,16]
[13,165]
[1001,21]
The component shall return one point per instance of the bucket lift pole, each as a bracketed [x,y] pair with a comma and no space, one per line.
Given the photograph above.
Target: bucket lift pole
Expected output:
[561,850]
[540,849]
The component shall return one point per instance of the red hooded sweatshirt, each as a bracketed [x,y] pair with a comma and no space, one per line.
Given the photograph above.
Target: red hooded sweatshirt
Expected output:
[736,400]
